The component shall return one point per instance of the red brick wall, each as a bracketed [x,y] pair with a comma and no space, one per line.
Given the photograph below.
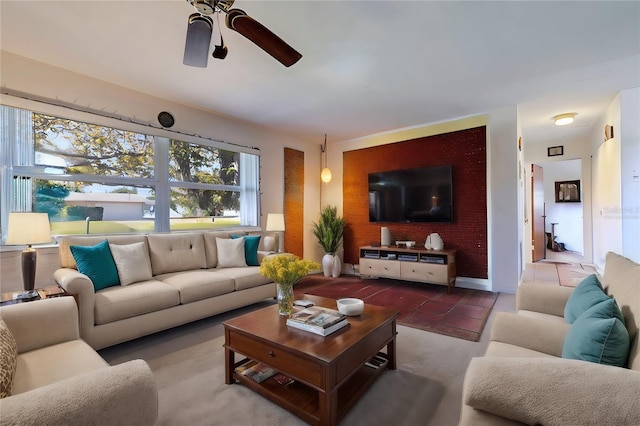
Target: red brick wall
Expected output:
[465,151]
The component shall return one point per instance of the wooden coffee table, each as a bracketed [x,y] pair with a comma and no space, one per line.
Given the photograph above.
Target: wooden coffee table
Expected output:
[330,373]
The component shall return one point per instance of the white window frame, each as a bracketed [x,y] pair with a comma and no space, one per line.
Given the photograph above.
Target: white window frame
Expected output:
[249,179]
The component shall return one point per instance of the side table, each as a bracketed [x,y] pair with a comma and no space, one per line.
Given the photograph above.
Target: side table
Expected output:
[10,298]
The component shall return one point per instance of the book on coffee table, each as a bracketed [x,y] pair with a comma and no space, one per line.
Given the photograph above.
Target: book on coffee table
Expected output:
[317,316]
[322,331]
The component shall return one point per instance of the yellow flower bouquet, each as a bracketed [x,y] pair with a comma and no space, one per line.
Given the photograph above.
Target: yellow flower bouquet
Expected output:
[286,270]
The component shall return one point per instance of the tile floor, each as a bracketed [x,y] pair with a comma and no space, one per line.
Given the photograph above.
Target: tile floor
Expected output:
[559,268]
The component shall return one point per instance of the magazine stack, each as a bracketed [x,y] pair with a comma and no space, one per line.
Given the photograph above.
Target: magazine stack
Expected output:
[318,320]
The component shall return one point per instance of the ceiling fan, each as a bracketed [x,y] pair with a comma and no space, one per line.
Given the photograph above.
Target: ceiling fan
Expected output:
[200,28]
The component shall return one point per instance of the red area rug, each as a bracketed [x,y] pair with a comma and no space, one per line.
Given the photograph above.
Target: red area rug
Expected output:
[462,314]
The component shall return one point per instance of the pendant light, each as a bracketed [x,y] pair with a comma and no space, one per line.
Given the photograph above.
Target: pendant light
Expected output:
[325,174]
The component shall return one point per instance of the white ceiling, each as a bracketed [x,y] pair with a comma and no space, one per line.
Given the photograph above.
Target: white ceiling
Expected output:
[367,66]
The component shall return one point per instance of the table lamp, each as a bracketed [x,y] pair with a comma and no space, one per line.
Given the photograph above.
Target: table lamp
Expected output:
[27,228]
[275,224]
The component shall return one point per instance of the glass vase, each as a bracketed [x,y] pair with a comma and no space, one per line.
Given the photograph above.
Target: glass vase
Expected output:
[285,299]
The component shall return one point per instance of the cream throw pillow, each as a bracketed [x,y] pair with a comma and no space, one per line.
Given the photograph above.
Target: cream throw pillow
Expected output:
[132,262]
[230,252]
[8,359]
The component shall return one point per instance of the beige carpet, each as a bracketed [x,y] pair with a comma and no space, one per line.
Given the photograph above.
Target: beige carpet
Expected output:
[188,363]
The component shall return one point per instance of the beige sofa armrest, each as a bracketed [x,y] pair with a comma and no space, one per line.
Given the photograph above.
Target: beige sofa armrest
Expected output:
[42,323]
[553,391]
[79,284]
[125,394]
[546,299]
[531,333]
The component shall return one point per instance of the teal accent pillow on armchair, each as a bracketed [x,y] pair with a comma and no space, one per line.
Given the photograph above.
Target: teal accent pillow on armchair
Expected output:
[586,294]
[97,263]
[598,336]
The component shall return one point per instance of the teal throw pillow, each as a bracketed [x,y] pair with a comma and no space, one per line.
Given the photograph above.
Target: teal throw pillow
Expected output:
[97,263]
[586,294]
[598,336]
[251,243]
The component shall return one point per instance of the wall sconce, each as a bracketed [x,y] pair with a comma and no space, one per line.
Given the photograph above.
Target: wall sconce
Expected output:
[275,224]
[325,174]
[26,228]
[608,132]
[564,119]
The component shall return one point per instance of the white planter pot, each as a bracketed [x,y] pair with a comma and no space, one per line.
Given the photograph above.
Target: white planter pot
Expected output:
[337,267]
[327,264]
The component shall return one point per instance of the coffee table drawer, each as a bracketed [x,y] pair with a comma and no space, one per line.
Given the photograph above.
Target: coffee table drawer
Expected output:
[283,361]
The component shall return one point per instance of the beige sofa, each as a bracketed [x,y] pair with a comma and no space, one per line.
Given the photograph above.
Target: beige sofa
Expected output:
[523,379]
[187,284]
[60,380]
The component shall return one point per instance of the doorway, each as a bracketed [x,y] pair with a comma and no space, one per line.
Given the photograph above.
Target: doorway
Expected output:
[563,221]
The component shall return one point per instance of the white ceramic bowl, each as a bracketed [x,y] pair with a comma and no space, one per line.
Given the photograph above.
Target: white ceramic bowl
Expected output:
[410,244]
[350,306]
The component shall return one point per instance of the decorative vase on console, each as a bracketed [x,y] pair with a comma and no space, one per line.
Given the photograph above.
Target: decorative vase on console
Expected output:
[285,270]
[337,266]
[434,242]
[327,264]
[329,231]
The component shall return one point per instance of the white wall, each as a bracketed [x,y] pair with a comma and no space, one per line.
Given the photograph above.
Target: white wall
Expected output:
[616,180]
[607,224]
[630,172]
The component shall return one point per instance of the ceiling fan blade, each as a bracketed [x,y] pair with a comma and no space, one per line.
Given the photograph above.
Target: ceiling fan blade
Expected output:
[262,37]
[196,47]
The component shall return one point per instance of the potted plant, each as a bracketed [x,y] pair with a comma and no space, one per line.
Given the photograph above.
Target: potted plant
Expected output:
[329,230]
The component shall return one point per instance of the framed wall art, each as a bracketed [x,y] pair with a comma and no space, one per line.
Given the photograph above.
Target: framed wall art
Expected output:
[552,151]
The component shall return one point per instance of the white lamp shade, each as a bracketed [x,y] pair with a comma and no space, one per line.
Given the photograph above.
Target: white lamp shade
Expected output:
[275,222]
[26,228]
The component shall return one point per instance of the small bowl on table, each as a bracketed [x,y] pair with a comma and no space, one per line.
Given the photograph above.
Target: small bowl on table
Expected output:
[350,306]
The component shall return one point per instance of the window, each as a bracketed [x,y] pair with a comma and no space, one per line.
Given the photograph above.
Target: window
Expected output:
[91,178]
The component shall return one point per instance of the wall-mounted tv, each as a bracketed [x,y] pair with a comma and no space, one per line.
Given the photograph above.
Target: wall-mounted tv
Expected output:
[411,195]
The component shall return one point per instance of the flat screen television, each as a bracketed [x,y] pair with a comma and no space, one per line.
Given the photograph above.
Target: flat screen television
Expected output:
[411,195]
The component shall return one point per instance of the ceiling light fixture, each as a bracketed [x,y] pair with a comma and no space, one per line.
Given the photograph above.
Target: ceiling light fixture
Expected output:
[325,174]
[564,119]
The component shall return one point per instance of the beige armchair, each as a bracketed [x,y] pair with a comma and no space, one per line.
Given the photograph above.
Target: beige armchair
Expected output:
[59,379]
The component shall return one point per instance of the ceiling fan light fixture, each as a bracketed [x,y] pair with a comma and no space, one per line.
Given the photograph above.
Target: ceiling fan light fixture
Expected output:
[564,119]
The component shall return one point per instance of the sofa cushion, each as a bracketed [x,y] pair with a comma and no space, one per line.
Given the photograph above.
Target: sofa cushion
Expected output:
[246,277]
[132,262]
[598,336]
[197,285]
[97,263]
[8,357]
[230,252]
[251,244]
[552,391]
[66,257]
[176,252]
[117,303]
[211,248]
[501,349]
[72,358]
